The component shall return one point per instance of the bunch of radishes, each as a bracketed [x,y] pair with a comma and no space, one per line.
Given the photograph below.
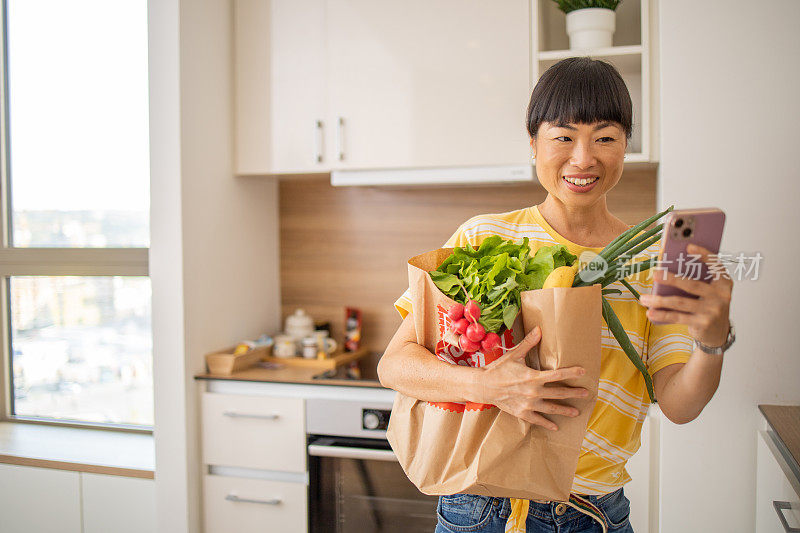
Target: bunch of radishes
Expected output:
[465,330]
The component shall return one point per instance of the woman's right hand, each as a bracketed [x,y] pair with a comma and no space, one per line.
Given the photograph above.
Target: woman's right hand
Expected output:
[521,391]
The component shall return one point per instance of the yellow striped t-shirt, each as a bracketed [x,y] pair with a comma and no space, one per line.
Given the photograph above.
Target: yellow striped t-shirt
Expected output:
[614,428]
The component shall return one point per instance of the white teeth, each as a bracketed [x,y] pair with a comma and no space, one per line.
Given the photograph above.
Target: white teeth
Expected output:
[581,182]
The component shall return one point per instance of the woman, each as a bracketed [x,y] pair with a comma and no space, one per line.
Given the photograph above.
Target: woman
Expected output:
[579,121]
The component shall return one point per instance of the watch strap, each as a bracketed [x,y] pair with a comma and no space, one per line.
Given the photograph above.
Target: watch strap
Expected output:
[718,350]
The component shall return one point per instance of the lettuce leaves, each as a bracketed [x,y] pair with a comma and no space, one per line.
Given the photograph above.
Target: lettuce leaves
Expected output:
[495,274]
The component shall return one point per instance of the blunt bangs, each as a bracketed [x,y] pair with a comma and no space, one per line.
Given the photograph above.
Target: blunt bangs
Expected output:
[580,90]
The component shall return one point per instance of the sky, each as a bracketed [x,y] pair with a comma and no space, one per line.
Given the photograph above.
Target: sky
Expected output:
[78,106]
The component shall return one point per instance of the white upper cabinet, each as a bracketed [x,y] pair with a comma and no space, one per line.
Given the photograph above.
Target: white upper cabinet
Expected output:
[280,86]
[357,84]
[425,84]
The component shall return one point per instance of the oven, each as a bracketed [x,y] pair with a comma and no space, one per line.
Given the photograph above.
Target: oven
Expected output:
[356,484]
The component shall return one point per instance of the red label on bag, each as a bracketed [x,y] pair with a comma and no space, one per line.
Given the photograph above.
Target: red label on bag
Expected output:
[455,355]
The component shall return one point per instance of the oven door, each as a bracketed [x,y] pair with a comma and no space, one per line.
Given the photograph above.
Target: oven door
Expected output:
[357,485]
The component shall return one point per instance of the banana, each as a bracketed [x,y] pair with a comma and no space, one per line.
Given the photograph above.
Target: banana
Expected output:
[560,277]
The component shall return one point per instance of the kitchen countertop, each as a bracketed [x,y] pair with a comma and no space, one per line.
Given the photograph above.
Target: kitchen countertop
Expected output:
[784,420]
[290,374]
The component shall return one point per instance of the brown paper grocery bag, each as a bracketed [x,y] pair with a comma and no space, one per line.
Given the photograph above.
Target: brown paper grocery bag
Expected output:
[448,448]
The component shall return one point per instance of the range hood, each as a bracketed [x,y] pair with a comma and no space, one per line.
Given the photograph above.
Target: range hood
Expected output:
[416,177]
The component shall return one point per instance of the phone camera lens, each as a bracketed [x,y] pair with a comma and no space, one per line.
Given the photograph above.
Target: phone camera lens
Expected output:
[687,232]
[679,223]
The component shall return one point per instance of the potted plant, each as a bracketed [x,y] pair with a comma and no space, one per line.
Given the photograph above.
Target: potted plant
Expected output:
[590,23]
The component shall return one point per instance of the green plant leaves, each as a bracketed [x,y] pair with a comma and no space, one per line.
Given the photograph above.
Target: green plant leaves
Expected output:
[495,274]
[572,5]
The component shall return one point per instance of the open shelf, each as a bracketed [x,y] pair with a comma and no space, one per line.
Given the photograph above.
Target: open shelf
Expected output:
[631,55]
[627,59]
[553,25]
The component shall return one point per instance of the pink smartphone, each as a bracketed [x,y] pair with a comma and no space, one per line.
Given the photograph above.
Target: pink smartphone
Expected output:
[702,227]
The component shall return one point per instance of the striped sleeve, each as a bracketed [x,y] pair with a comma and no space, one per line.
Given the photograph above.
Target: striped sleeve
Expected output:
[459,238]
[667,344]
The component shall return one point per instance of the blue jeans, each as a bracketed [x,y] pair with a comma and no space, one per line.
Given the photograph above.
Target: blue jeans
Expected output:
[484,514]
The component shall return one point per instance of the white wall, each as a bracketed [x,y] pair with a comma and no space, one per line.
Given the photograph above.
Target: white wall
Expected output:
[730,97]
[213,237]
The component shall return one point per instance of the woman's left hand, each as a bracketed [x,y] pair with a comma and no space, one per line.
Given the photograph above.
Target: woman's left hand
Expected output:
[706,316]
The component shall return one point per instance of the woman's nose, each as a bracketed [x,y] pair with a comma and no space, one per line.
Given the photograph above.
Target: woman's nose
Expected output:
[582,156]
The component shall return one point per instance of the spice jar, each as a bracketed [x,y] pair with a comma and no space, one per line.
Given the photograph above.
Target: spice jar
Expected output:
[309,347]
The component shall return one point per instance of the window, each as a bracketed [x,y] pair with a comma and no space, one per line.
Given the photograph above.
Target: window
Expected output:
[75,224]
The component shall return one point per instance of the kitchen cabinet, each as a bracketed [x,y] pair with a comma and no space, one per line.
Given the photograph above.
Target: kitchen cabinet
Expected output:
[254,447]
[116,503]
[28,491]
[75,502]
[246,505]
[777,485]
[255,462]
[358,84]
[281,122]
[239,429]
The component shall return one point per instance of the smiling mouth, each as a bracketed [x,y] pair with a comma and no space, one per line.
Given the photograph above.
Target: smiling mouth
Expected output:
[582,182]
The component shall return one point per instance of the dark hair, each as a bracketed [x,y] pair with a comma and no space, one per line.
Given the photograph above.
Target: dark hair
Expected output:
[580,90]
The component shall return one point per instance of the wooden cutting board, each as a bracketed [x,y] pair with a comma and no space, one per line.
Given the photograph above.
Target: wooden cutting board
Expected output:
[336,359]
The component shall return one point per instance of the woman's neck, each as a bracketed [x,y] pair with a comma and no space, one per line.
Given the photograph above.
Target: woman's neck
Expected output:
[593,225]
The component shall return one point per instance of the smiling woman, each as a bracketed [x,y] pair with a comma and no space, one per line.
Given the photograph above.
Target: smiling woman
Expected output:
[579,120]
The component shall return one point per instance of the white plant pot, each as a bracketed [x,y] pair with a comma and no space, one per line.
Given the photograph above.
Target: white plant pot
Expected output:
[591,27]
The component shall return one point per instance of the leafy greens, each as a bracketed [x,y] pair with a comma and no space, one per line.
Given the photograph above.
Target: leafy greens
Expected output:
[495,274]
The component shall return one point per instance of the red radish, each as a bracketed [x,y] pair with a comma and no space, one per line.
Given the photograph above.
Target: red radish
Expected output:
[460,326]
[468,345]
[490,341]
[475,332]
[456,312]
[472,311]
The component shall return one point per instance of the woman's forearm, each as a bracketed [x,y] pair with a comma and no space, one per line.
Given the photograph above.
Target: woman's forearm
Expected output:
[692,387]
[414,371]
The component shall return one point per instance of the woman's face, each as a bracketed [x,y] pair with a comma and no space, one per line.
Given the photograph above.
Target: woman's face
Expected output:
[591,155]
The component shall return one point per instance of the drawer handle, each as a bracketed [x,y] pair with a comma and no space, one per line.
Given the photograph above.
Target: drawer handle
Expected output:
[235,498]
[779,507]
[234,414]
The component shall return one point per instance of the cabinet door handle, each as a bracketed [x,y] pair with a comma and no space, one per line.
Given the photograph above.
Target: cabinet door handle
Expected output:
[779,507]
[234,414]
[235,498]
[340,138]
[318,140]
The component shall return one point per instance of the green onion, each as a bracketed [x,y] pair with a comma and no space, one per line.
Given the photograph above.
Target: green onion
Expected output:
[606,253]
[616,258]
[630,288]
[626,235]
[635,268]
[635,245]
[636,229]
[615,326]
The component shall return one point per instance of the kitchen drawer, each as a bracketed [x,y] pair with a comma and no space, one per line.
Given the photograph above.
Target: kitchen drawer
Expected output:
[773,486]
[249,505]
[254,432]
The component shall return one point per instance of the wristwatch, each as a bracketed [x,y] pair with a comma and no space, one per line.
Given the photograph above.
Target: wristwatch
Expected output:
[718,350]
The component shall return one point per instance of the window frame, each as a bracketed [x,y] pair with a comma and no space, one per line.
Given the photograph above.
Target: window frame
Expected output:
[45,262]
